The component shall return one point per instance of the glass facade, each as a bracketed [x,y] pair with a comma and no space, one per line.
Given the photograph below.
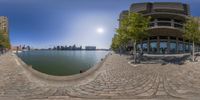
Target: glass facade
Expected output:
[163,47]
[145,47]
[153,47]
[180,47]
[139,47]
[190,46]
[166,45]
[186,47]
[173,47]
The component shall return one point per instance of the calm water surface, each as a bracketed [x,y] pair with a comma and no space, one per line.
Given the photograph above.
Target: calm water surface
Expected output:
[62,62]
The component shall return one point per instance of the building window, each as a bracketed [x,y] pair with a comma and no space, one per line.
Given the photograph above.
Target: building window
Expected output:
[153,47]
[144,47]
[180,47]
[139,46]
[163,47]
[153,44]
[190,47]
[196,47]
[186,47]
[173,47]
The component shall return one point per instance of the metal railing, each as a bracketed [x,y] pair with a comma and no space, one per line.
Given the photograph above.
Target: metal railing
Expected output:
[166,23]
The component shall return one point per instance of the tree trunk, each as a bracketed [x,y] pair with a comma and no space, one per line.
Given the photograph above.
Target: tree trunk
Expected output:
[123,48]
[135,55]
[141,46]
[120,50]
[193,50]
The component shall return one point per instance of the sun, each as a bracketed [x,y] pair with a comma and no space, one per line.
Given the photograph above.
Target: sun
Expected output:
[100,30]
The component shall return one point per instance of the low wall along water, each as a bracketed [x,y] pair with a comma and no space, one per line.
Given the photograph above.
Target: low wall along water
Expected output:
[62,78]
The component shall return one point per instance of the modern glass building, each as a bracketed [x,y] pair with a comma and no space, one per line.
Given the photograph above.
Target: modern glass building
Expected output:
[165,27]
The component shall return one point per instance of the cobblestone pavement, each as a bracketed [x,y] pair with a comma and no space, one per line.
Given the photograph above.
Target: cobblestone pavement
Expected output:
[116,79]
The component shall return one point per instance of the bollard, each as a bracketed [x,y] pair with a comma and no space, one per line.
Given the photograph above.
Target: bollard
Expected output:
[81,71]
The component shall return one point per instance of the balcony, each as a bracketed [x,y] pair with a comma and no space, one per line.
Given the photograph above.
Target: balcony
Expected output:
[167,23]
[167,14]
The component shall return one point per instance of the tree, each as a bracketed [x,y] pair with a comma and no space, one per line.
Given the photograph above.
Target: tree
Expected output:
[4,40]
[123,37]
[192,33]
[1,39]
[134,26]
[1,42]
[115,42]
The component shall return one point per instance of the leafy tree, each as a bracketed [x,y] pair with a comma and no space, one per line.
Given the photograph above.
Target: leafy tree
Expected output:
[192,33]
[133,27]
[1,39]
[115,42]
[4,40]
[123,37]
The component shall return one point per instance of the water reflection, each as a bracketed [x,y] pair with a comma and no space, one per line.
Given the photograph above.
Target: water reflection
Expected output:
[62,62]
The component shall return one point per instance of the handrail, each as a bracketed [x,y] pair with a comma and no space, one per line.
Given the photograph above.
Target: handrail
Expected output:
[167,13]
[172,24]
[167,22]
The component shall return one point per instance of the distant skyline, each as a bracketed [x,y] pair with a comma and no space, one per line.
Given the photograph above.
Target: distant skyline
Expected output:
[47,23]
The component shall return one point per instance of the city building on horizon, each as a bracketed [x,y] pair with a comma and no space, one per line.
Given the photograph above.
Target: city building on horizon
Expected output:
[90,47]
[74,47]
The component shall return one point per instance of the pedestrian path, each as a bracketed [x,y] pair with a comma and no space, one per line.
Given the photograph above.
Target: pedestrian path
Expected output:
[147,81]
[115,79]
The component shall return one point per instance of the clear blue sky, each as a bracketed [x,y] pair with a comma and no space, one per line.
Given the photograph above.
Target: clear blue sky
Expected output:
[45,23]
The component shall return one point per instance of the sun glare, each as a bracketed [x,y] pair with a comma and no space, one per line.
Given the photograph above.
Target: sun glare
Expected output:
[100,30]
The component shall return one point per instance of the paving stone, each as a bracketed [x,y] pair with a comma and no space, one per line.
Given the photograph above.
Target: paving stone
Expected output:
[116,78]
[161,93]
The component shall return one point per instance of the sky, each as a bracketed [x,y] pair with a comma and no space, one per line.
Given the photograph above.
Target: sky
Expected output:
[47,23]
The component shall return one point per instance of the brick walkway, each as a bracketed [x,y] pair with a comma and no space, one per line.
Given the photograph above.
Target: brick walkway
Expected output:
[116,79]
